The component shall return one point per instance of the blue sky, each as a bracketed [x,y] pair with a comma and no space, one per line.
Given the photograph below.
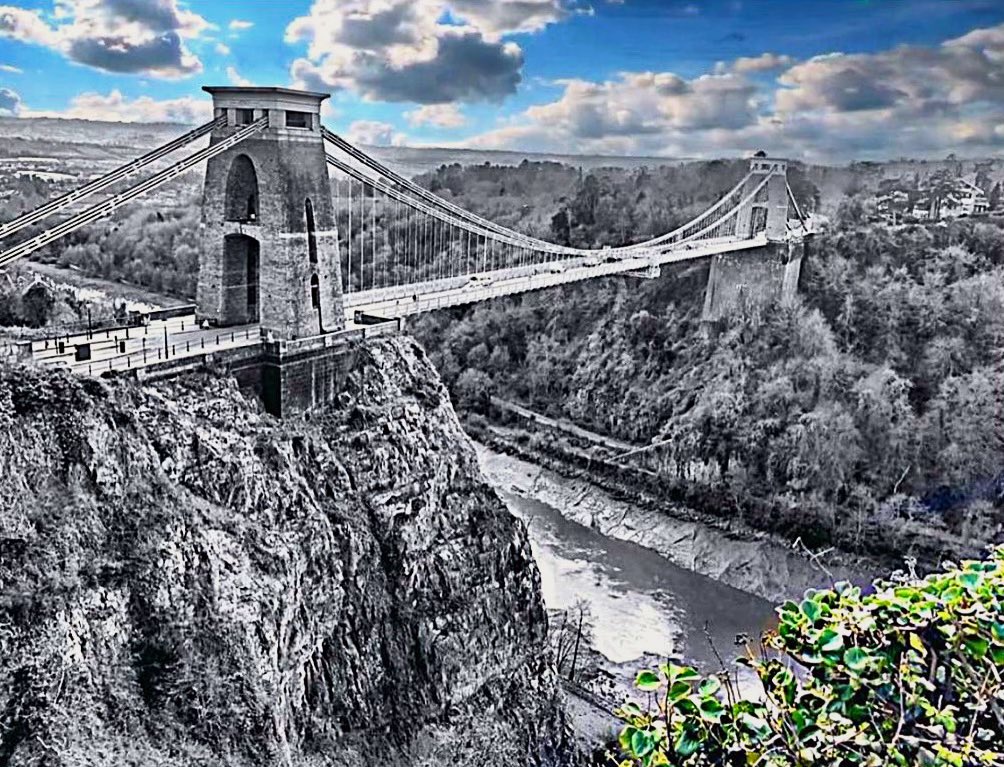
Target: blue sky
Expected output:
[825,80]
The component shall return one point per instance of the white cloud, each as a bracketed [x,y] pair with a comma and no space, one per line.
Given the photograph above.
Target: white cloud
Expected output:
[639,103]
[11,69]
[27,26]
[906,101]
[132,36]
[223,49]
[495,18]
[638,112]
[10,102]
[236,78]
[114,107]
[437,115]
[239,25]
[907,79]
[373,133]
[765,62]
[426,51]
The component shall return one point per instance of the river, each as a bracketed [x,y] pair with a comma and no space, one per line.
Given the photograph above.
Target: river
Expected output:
[653,577]
[643,607]
[641,603]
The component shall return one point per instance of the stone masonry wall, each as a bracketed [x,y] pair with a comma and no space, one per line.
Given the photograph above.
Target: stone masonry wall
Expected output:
[290,168]
[751,278]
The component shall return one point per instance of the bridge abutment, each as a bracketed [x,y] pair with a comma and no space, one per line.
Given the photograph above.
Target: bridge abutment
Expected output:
[751,279]
[300,383]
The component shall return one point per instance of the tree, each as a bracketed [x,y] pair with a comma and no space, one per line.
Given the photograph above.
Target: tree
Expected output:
[964,430]
[37,304]
[474,391]
[561,227]
[994,198]
[570,634]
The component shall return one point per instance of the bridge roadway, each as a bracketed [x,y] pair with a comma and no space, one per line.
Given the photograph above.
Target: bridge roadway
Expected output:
[121,349]
[140,346]
[391,303]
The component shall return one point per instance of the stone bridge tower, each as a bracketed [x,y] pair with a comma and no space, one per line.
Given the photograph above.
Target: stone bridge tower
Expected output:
[270,250]
[749,279]
[768,212]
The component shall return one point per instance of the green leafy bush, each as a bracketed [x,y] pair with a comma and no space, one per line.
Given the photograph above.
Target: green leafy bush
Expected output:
[912,674]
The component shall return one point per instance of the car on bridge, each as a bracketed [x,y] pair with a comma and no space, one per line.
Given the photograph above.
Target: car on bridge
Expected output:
[479,281]
[556,268]
[610,257]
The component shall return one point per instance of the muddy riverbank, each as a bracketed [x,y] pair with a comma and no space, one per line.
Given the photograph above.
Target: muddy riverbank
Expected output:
[754,563]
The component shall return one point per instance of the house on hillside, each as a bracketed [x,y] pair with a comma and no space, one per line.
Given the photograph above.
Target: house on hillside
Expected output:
[923,209]
[933,199]
[893,204]
[965,199]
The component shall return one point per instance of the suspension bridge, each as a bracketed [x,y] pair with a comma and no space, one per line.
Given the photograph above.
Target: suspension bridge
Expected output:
[310,244]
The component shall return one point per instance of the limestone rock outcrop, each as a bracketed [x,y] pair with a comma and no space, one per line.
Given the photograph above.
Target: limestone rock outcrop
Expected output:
[185,580]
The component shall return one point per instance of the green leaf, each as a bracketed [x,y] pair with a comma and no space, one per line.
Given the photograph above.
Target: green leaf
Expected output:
[647,681]
[625,738]
[629,709]
[711,709]
[830,641]
[642,743]
[788,607]
[811,610]
[755,725]
[687,743]
[971,580]
[678,690]
[977,646]
[952,595]
[856,658]
[709,686]
[997,629]
[683,673]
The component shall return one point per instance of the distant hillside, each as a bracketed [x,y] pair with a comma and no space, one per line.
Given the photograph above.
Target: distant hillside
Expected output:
[75,146]
[47,137]
[417,160]
[864,178]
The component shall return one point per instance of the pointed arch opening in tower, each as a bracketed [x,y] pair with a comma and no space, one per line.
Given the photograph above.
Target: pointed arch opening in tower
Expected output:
[241,264]
[315,292]
[242,191]
[308,207]
[315,300]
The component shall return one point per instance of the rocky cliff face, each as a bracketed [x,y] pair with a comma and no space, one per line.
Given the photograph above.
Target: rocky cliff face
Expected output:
[184,580]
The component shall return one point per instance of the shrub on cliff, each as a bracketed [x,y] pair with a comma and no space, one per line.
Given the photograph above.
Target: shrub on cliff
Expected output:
[912,674]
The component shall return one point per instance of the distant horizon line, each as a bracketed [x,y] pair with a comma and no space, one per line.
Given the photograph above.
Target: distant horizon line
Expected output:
[536,153]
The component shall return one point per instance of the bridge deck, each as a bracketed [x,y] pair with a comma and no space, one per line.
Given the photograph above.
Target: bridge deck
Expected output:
[456,291]
[178,338]
[131,348]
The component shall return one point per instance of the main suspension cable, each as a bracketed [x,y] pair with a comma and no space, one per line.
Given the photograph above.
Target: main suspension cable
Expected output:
[98,184]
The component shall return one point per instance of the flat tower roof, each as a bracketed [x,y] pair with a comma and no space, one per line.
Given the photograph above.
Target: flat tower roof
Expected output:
[236,90]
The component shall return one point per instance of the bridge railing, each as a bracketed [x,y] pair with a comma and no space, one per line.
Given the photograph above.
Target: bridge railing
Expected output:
[284,347]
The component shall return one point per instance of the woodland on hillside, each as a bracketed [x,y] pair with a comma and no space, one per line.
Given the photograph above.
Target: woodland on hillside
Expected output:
[874,401]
